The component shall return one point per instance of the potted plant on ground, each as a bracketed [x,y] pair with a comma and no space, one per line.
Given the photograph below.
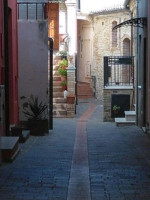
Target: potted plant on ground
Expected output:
[116,109]
[63,85]
[36,113]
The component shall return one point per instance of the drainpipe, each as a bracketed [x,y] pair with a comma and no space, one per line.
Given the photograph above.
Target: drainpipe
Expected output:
[131,36]
[137,69]
[7,110]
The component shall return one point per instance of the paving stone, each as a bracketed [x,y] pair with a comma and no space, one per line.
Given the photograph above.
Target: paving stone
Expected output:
[118,158]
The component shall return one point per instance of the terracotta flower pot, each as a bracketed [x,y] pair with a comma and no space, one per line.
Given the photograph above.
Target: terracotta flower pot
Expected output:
[64,87]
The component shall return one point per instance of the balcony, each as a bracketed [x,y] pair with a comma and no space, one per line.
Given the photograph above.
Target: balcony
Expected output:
[118,72]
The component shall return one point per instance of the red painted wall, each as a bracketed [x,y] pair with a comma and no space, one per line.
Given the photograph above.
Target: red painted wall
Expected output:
[148,70]
[1,42]
[13,61]
[13,58]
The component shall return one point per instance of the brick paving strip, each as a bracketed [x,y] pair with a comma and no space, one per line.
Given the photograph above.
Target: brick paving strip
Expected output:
[79,183]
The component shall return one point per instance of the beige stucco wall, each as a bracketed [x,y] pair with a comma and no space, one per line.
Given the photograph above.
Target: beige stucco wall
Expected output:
[102,42]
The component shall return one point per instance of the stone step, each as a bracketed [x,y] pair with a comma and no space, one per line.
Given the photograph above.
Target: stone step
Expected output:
[60,116]
[85,96]
[85,92]
[57,57]
[57,89]
[130,115]
[59,106]
[59,112]
[56,78]
[123,121]
[59,100]
[58,94]
[55,73]
[56,83]
[9,148]
[55,67]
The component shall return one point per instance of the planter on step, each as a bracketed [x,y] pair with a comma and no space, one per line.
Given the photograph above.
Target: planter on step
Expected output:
[64,85]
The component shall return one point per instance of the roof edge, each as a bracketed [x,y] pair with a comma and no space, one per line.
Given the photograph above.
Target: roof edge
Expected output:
[106,11]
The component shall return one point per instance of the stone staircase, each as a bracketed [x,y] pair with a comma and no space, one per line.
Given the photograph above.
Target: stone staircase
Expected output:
[59,103]
[84,90]
[130,119]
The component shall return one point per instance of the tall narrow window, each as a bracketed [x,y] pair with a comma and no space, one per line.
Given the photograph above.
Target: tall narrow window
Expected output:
[126,47]
[114,34]
[126,74]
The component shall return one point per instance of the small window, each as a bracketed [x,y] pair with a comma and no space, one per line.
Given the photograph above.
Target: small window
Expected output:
[114,34]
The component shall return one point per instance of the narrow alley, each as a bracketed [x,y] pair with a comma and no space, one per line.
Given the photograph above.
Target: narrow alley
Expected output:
[83,159]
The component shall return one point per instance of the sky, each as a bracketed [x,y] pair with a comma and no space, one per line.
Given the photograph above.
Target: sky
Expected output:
[96,5]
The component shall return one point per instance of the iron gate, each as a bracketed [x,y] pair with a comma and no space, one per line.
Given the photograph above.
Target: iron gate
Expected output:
[118,70]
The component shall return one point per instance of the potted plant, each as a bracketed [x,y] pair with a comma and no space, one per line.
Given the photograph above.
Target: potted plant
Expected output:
[62,69]
[36,113]
[116,109]
[63,54]
[64,85]
[71,98]
[63,62]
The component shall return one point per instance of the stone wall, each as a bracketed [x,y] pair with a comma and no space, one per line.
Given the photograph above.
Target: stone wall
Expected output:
[103,44]
[107,100]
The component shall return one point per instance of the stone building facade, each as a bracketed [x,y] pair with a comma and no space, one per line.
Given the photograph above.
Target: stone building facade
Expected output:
[107,42]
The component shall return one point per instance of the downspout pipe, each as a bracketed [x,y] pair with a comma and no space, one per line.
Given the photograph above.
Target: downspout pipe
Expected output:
[7,108]
[137,69]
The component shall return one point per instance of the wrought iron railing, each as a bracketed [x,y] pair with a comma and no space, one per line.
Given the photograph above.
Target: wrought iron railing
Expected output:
[118,71]
[34,9]
[31,10]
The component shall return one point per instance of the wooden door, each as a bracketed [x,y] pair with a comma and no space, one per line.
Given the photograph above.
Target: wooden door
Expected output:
[53,23]
[85,60]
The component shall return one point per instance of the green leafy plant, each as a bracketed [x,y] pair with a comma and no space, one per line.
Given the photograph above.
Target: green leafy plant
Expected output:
[63,62]
[63,53]
[34,110]
[62,71]
[63,83]
[115,107]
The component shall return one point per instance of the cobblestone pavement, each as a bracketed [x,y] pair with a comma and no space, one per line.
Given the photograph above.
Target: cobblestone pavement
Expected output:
[119,162]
